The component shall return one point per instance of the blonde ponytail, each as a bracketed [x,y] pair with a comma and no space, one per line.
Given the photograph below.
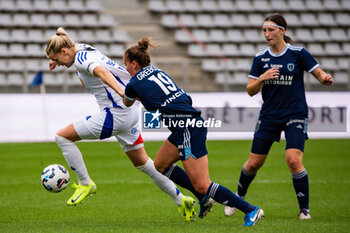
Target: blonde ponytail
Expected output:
[58,41]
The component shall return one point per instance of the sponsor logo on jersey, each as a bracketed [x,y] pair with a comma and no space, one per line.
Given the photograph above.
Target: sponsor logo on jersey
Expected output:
[278,66]
[265,59]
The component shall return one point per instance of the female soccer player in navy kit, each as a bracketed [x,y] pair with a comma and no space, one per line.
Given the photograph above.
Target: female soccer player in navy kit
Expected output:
[278,73]
[158,92]
[105,79]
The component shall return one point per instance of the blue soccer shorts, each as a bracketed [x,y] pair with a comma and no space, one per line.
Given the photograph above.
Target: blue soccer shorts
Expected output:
[295,131]
[190,142]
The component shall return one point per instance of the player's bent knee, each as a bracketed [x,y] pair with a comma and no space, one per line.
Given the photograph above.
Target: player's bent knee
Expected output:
[201,188]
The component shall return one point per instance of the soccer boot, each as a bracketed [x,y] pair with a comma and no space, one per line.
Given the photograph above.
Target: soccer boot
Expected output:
[229,211]
[304,214]
[187,208]
[253,217]
[81,191]
[206,205]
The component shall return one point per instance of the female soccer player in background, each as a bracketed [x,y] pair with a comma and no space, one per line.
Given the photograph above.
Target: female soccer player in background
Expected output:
[278,72]
[103,78]
[158,92]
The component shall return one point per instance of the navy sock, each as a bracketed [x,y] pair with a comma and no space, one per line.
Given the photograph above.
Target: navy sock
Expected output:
[226,197]
[244,181]
[301,187]
[179,177]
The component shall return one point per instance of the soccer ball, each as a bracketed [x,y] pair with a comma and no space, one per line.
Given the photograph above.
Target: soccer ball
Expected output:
[55,178]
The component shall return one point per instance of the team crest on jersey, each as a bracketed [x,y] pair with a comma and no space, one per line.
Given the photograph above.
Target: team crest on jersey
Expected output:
[290,66]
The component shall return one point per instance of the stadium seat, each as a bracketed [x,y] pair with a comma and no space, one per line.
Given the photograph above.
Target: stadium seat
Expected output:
[24,5]
[332,5]
[3,79]
[4,51]
[255,20]
[39,5]
[292,20]
[333,49]
[55,20]
[253,35]
[338,34]
[175,6]
[182,36]
[222,20]
[15,79]
[217,35]
[36,35]
[157,6]
[35,50]
[16,50]
[240,78]
[328,64]
[279,5]
[120,36]
[3,66]
[316,49]
[314,6]
[345,4]
[226,6]
[106,21]
[38,20]
[205,20]
[192,6]
[169,20]
[346,48]
[4,35]
[89,20]
[59,5]
[262,6]
[247,50]
[321,34]
[344,62]
[196,50]
[33,65]
[5,20]
[243,64]
[343,19]
[188,20]
[239,20]
[103,48]
[18,35]
[103,35]
[208,6]
[231,50]
[93,6]
[76,5]
[8,5]
[72,20]
[326,19]
[201,35]
[211,65]
[296,5]
[20,19]
[303,35]
[116,50]
[309,19]
[244,6]
[235,35]
[86,35]
[341,77]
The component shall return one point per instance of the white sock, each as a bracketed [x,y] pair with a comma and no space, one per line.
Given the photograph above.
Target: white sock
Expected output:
[74,159]
[161,181]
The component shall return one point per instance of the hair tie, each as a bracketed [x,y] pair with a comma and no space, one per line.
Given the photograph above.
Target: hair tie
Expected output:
[58,34]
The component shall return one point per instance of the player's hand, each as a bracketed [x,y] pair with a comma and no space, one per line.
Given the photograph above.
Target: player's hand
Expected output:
[52,65]
[270,74]
[327,80]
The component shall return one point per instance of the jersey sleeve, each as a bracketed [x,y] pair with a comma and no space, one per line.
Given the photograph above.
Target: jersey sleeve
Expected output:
[130,92]
[308,62]
[255,70]
[86,61]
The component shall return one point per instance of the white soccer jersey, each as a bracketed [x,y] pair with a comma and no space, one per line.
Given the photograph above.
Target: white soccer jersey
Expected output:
[86,60]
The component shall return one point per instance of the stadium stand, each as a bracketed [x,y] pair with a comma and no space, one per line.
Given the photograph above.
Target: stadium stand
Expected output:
[25,27]
[206,44]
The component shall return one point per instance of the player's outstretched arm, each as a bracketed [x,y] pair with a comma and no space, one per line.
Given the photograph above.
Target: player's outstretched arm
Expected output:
[108,78]
[322,77]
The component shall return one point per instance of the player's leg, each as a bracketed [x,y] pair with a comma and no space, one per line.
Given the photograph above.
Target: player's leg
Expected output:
[165,163]
[258,155]
[65,139]
[197,170]
[295,137]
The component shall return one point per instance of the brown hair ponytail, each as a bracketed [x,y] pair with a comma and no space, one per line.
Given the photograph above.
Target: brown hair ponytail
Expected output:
[140,53]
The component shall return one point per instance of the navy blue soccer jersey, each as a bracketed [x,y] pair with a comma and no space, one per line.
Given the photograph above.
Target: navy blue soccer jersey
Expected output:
[284,97]
[157,91]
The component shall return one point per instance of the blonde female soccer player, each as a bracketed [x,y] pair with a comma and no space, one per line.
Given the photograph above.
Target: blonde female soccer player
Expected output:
[103,77]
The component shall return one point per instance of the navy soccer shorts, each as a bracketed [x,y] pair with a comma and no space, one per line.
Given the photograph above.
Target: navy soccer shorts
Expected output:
[295,131]
[190,142]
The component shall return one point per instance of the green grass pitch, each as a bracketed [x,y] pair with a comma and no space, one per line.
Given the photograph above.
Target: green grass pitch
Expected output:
[127,200]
